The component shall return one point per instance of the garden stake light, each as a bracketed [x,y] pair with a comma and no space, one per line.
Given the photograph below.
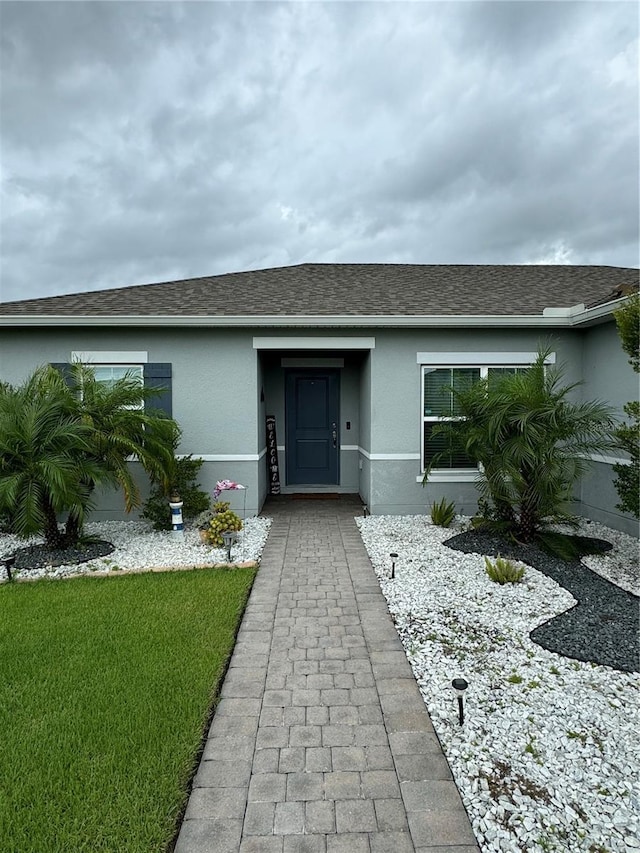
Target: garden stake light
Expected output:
[365,510]
[8,562]
[460,685]
[228,537]
[394,557]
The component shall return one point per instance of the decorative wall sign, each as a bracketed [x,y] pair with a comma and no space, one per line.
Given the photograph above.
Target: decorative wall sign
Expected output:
[273,471]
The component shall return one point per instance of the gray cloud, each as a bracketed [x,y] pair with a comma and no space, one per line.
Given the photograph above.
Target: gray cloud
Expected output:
[149,141]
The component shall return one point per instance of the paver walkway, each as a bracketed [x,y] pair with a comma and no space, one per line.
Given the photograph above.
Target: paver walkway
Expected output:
[321,742]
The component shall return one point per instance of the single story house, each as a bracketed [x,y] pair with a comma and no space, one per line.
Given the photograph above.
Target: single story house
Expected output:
[346,360]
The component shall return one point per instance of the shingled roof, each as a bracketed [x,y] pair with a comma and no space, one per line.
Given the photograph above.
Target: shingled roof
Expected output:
[350,290]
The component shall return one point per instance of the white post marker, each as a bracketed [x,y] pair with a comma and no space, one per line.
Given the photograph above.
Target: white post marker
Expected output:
[177,525]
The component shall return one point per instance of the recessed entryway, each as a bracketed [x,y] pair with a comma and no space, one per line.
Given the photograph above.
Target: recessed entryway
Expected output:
[312,426]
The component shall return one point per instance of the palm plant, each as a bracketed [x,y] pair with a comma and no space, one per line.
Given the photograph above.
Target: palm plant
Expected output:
[122,428]
[44,461]
[61,437]
[532,443]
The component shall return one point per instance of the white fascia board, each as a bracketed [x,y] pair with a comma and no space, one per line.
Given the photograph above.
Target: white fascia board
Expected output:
[361,321]
[571,311]
[415,321]
[599,312]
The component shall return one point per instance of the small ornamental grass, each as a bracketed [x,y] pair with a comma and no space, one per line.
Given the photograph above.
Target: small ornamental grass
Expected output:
[443,512]
[106,688]
[503,571]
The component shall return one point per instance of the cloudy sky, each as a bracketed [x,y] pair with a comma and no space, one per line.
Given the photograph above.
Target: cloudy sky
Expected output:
[149,141]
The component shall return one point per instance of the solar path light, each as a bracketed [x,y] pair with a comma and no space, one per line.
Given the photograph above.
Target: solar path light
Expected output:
[229,537]
[460,685]
[8,562]
[394,557]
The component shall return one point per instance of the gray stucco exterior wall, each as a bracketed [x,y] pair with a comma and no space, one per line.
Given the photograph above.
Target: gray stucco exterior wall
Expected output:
[215,392]
[223,389]
[396,419]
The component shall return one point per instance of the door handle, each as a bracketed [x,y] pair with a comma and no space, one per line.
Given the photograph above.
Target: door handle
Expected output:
[334,435]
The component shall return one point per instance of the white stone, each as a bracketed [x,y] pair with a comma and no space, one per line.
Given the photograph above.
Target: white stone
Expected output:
[580,719]
[138,546]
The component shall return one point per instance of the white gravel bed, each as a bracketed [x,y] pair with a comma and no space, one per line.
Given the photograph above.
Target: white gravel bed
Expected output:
[138,547]
[620,566]
[548,758]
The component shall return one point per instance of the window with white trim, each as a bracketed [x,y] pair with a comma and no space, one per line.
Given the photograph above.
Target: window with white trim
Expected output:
[439,404]
[110,365]
[108,374]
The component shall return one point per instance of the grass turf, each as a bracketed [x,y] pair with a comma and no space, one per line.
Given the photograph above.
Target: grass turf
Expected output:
[105,689]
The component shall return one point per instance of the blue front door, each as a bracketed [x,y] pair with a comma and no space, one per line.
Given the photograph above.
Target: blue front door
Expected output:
[312,440]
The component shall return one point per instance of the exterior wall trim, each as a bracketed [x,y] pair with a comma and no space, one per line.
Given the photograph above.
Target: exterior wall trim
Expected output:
[608,460]
[109,357]
[455,359]
[315,343]
[450,476]
[389,457]
[226,457]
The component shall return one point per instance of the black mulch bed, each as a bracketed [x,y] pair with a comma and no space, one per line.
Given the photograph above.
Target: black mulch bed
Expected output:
[38,557]
[602,628]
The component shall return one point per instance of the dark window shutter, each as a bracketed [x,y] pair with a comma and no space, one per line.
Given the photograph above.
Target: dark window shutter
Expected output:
[159,376]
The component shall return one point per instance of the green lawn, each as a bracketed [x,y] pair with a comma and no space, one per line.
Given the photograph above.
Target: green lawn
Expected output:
[105,689]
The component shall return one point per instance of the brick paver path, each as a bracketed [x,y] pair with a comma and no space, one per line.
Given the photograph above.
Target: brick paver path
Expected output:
[321,742]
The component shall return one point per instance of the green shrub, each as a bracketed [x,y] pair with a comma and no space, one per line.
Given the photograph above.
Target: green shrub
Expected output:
[443,512]
[64,433]
[532,443]
[219,524]
[183,482]
[627,480]
[503,571]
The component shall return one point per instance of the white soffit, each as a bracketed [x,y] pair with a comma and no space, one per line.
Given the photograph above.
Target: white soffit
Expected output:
[110,357]
[451,359]
[314,343]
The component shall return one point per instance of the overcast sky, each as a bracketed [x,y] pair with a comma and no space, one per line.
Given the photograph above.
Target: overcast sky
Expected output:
[150,141]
